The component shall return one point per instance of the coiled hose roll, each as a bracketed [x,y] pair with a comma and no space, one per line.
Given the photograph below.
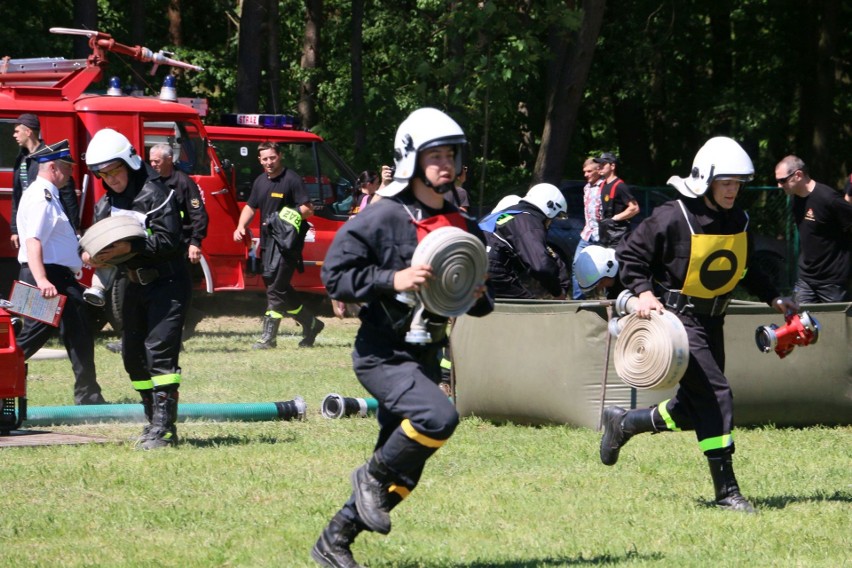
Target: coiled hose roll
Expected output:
[459,264]
[649,353]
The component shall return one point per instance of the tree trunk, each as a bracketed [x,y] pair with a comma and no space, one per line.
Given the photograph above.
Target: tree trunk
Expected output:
[825,163]
[359,110]
[175,31]
[565,89]
[274,50]
[85,17]
[247,99]
[310,62]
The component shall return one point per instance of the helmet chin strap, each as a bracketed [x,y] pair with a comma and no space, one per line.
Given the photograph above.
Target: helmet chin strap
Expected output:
[443,188]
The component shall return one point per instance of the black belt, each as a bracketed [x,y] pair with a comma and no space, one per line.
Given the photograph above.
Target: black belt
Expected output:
[148,274]
[683,304]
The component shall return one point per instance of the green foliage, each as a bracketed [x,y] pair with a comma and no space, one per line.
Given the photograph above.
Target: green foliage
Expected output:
[258,494]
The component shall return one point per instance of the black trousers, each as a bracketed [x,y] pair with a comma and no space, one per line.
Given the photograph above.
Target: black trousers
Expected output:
[153,316]
[74,328]
[415,416]
[704,401]
[280,295]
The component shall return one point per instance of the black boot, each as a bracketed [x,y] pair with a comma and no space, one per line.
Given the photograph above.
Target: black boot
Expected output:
[619,426]
[311,327]
[332,548]
[728,494]
[163,431]
[370,487]
[148,407]
[270,332]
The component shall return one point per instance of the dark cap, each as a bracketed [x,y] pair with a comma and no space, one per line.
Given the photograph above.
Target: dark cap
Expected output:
[606,158]
[60,151]
[29,120]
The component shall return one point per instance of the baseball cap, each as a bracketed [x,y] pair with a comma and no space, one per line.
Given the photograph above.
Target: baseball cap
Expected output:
[606,158]
[29,120]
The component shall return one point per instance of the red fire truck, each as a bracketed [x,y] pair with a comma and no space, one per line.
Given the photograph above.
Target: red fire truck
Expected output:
[221,160]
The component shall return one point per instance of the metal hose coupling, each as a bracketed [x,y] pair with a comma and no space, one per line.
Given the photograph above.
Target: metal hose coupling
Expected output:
[649,353]
[337,406]
[459,264]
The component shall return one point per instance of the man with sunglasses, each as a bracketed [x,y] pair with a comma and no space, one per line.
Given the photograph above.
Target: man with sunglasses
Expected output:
[49,260]
[154,303]
[824,222]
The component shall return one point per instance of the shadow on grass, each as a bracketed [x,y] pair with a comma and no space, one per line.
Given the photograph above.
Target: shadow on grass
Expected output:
[601,560]
[782,501]
[219,441]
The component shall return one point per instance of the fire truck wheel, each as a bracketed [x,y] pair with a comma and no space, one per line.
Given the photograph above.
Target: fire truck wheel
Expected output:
[114,303]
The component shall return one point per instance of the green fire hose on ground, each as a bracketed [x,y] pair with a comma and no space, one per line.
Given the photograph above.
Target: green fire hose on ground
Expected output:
[244,412]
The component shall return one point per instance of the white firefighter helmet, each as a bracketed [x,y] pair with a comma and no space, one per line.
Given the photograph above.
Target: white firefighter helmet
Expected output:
[719,158]
[424,128]
[593,264]
[109,146]
[547,198]
[507,201]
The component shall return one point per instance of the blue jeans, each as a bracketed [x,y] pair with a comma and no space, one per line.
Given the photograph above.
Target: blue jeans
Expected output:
[576,293]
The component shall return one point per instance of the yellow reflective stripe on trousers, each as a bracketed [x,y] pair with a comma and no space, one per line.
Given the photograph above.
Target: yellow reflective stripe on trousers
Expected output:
[717,443]
[143,385]
[296,311]
[670,423]
[274,315]
[403,492]
[421,439]
[446,363]
[162,380]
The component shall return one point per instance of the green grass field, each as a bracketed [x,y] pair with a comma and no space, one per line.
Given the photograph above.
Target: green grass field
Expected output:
[258,494]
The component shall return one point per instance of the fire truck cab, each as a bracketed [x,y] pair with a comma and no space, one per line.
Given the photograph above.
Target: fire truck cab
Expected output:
[221,160]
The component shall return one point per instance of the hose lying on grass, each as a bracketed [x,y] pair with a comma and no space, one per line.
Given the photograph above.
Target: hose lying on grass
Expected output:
[244,412]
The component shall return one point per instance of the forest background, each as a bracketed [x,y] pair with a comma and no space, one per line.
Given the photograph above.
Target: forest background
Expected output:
[537,85]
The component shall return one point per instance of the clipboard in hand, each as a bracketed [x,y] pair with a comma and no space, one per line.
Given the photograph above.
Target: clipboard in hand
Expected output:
[27,301]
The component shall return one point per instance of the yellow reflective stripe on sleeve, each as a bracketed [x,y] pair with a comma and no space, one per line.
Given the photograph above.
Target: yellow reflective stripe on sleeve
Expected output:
[670,423]
[403,492]
[274,315]
[446,363]
[418,437]
[162,380]
[716,443]
[143,385]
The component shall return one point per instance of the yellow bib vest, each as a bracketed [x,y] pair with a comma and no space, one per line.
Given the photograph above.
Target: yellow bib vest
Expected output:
[716,262]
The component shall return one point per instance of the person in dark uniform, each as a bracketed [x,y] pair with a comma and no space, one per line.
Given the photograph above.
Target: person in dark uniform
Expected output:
[824,222]
[27,132]
[518,256]
[618,205]
[370,261]
[279,191]
[154,302]
[49,261]
[687,257]
[190,205]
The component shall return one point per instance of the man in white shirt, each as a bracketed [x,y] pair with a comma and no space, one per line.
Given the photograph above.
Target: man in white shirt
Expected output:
[49,260]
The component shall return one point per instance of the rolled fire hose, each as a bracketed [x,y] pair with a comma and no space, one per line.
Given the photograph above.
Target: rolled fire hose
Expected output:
[649,353]
[337,406]
[243,412]
[110,230]
[459,264]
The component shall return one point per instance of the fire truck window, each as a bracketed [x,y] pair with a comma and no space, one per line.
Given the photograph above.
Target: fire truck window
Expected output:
[337,182]
[191,155]
[8,146]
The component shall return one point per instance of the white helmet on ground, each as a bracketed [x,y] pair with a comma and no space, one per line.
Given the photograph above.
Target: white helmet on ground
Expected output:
[109,146]
[424,128]
[547,198]
[593,264]
[719,158]
[507,201]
